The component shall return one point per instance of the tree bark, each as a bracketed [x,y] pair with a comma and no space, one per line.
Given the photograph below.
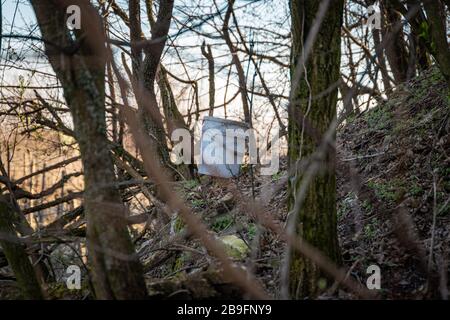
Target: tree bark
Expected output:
[145,72]
[16,255]
[80,66]
[435,11]
[316,219]
[174,118]
[237,63]
[134,9]
[207,53]
[381,58]
[396,49]
[419,29]
[153,119]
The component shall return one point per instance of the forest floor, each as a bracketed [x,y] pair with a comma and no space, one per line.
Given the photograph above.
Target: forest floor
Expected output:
[393,204]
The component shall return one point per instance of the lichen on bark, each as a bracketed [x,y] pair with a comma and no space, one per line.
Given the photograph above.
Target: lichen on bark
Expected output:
[316,99]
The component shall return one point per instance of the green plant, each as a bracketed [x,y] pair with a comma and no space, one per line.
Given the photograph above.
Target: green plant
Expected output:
[370,229]
[198,203]
[416,190]
[190,184]
[251,231]
[277,176]
[389,191]
[445,171]
[222,223]
[178,225]
[345,205]
[367,206]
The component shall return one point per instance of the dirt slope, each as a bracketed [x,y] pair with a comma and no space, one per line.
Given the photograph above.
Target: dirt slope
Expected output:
[394,188]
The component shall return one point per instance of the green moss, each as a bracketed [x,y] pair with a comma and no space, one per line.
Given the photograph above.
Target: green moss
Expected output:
[59,291]
[180,262]
[178,225]
[322,283]
[312,224]
[234,246]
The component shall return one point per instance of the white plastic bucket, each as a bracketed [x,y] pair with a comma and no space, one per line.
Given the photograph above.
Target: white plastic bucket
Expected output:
[222,153]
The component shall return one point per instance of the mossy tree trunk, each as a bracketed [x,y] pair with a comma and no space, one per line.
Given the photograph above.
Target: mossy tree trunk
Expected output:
[80,66]
[417,42]
[174,118]
[151,114]
[440,49]
[144,71]
[316,219]
[396,48]
[16,255]
[430,28]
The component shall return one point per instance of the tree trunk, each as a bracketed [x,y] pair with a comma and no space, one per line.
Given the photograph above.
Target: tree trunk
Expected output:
[447,2]
[151,114]
[316,219]
[416,22]
[134,9]
[16,255]
[115,268]
[237,63]
[396,49]
[207,53]
[174,118]
[435,10]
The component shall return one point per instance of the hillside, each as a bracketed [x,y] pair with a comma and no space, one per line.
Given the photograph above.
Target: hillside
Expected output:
[394,189]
